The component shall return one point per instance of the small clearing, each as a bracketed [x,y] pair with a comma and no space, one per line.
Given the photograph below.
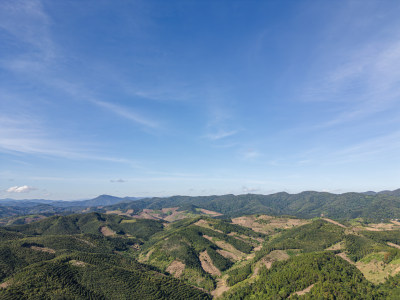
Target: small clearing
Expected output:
[228,250]
[222,287]
[106,231]
[43,249]
[393,245]
[176,268]
[210,212]
[269,259]
[345,257]
[228,255]
[337,246]
[5,284]
[268,224]
[334,222]
[207,264]
[305,291]
[77,263]
[205,224]
[383,226]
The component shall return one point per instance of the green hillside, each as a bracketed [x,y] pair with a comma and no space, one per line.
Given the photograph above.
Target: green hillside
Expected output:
[108,256]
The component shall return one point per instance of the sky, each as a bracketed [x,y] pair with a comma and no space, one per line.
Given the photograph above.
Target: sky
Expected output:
[160,98]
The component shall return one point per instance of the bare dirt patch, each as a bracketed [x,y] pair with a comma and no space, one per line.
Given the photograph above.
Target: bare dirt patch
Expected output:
[43,249]
[393,245]
[269,259]
[205,224]
[337,246]
[77,263]
[228,250]
[210,212]
[222,287]
[383,226]
[334,222]
[377,271]
[345,257]
[268,224]
[176,268]
[228,255]
[305,291]
[5,284]
[207,264]
[107,231]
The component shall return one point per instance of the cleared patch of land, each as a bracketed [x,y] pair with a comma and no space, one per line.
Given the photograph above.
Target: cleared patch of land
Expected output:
[176,268]
[334,222]
[269,259]
[43,249]
[393,245]
[106,231]
[337,246]
[303,292]
[207,264]
[268,224]
[222,287]
[5,284]
[77,263]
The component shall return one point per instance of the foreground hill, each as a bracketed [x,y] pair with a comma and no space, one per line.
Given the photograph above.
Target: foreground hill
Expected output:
[107,256]
[73,257]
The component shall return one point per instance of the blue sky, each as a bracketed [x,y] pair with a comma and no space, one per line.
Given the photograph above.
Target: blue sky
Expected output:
[157,98]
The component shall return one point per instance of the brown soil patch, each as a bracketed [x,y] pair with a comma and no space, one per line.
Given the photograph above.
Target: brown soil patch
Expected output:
[337,246]
[345,257]
[43,249]
[205,224]
[176,268]
[222,287]
[228,250]
[210,212]
[228,255]
[305,291]
[207,264]
[377,271]
[334,222]
[393,245]
[383,226]
[5,284]
[77,263]
[268,224]
[269,259]
[107,231]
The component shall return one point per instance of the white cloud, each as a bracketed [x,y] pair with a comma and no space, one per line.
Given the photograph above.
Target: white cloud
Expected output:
[21,189]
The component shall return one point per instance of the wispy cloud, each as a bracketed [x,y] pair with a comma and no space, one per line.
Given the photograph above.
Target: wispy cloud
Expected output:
[220,134]
[125,113]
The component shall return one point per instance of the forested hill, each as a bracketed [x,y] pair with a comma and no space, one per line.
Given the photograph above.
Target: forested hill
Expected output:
[306,204]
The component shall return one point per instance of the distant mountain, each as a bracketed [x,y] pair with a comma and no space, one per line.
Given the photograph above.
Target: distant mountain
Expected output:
[307,204]
[98,201]
[395,193]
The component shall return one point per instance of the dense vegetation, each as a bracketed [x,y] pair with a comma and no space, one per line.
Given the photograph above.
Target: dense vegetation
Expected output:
[375,206]
[108,256]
